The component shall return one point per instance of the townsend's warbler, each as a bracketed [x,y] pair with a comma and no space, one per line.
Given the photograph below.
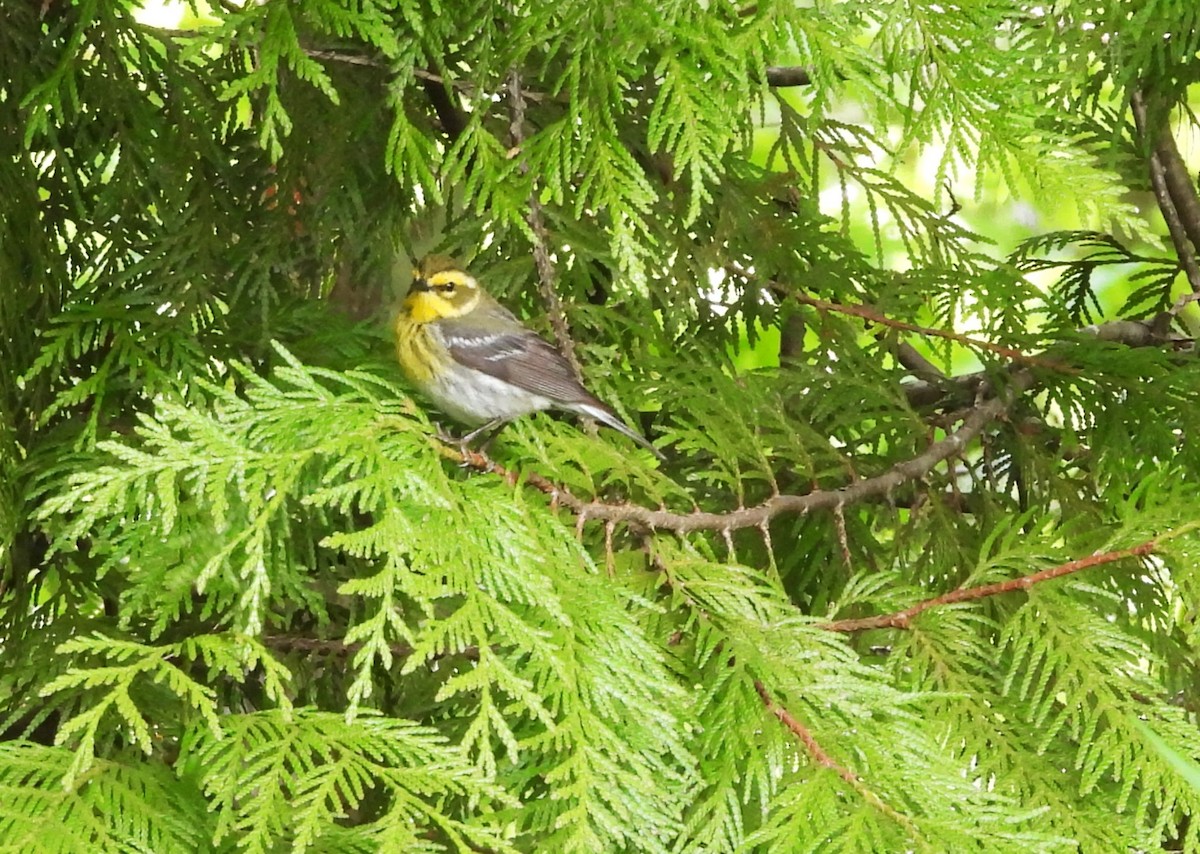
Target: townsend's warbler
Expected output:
[477,362]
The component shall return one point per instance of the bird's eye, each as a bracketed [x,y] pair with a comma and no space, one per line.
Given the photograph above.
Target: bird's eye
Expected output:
[448,288]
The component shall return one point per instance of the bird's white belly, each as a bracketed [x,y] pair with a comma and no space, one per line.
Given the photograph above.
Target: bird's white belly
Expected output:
[474,397]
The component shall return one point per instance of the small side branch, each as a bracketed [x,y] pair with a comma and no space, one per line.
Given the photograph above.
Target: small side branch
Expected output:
[903,619]
[911,360]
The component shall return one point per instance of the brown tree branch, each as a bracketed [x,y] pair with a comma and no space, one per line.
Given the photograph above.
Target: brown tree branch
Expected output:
[468,88]
[449,112]
[645,518]
[339,56]
[911,359]
[1131,333]
[1175,206]
[903,619]
[791,337]
[1179,182]
[777,76]
[1180,185]
[932,384]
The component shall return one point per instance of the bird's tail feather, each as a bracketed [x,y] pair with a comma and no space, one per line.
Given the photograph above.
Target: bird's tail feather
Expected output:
[609,418]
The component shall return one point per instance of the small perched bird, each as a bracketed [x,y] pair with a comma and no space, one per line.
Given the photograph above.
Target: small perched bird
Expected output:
[474,359]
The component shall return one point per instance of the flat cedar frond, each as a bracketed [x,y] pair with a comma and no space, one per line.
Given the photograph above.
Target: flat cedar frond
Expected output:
[919,570]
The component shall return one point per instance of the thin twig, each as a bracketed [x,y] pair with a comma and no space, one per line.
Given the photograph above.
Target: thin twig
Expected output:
[843,538]
[801,732]
[537,224]
[328,646]
[819,756]
[645,518]
[955,205]
[903,619]
[1131,333]
[351,59]
[290,643]
[868,313]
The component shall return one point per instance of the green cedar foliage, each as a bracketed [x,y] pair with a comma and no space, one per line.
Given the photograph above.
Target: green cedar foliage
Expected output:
[249,602]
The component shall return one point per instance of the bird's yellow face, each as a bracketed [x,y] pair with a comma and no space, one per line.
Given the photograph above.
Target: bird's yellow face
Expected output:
[440,288]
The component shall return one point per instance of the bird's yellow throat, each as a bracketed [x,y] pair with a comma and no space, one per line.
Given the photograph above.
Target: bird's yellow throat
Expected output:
[427,306]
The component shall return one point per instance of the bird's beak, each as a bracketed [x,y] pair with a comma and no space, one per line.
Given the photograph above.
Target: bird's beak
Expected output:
[419,284]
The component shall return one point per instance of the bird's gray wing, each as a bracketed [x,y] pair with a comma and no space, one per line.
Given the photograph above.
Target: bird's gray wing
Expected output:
[530,362]
[521,357]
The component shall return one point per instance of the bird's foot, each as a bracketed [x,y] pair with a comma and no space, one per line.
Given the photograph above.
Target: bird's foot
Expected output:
[489,431]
